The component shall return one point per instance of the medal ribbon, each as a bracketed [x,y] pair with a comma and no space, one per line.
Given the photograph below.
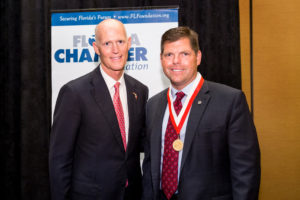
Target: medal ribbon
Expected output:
[186,110]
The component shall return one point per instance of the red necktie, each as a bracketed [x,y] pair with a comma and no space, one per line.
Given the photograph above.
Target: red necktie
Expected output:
[119,112]
[170,157]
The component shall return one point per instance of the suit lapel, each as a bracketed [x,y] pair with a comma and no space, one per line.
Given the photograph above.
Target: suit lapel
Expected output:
[156,134]
[103,99]
[198,107]
[132,103]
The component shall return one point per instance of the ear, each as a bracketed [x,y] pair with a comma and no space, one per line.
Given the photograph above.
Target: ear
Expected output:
[129,43]
[199,56]
[96,49]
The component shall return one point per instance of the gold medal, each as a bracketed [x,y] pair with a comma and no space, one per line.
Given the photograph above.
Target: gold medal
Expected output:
[177,145]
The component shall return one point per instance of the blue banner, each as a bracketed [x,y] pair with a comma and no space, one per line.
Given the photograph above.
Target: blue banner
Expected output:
[125,16]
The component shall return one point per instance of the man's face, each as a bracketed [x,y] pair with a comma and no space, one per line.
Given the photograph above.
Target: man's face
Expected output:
[112,46]
[180,62]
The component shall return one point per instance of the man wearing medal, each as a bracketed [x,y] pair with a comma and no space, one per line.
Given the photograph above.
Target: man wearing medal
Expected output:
[201,140]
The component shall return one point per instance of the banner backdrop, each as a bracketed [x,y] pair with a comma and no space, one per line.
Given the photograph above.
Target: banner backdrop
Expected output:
[72,35]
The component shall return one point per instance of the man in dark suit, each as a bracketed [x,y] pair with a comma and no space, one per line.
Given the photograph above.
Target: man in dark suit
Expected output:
[201,140]
[98,126]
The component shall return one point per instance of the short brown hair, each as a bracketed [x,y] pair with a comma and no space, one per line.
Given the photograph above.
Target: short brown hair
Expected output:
[177,33]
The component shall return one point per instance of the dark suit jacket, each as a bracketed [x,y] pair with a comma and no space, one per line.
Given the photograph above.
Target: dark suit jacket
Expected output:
[221,157]
[87,159]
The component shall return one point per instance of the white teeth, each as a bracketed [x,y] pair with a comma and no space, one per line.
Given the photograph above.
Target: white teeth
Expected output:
[177,70]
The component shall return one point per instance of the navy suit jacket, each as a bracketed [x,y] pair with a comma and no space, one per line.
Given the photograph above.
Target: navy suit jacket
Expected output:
[221,157]
[87,159]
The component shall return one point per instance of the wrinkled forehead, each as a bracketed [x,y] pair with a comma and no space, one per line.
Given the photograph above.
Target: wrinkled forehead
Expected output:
[181,44]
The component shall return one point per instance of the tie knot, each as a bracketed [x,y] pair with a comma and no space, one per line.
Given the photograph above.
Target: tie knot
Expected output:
[179,96]
[116,86]
[177,103]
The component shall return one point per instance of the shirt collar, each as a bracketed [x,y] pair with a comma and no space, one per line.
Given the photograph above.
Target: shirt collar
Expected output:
[110,82]
[186,90]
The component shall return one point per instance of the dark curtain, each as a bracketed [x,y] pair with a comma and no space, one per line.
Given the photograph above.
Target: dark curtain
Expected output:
[25,99]
[25,75]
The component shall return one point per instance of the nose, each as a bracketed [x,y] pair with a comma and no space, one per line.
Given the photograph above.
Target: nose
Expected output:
[115,48]
[176,59]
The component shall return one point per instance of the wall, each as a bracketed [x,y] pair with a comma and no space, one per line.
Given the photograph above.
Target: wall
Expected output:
[276,91]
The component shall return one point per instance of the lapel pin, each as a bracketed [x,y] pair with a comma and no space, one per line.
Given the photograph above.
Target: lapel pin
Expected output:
[135,95]
[199,102]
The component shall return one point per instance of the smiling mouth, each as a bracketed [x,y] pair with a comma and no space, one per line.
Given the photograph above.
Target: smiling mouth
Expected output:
[177,70]
[116,58]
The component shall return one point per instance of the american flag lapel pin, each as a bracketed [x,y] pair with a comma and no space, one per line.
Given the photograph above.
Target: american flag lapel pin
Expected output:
[135,95]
